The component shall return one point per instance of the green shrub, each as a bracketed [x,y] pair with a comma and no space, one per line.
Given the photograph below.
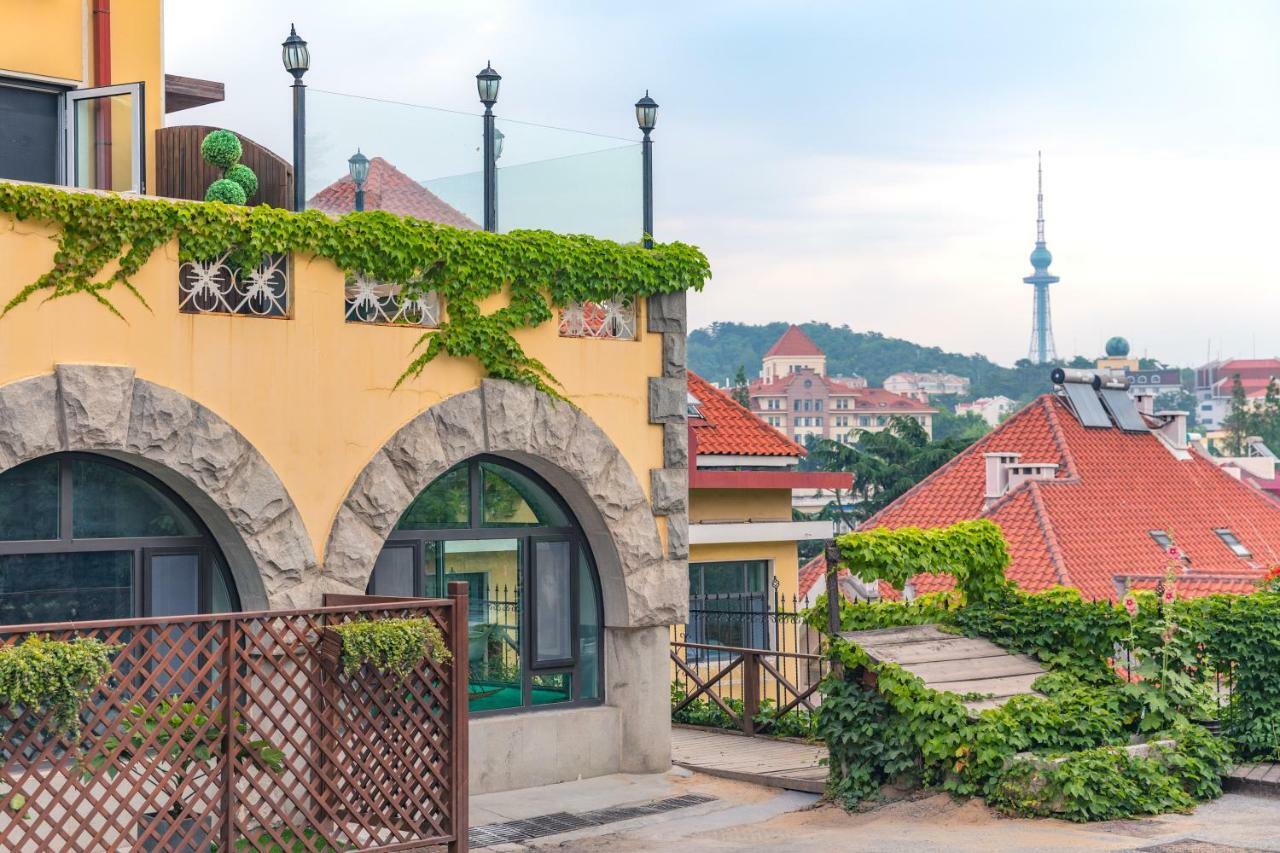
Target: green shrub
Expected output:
[221,148]
[226,191]
[243,176]
[59,676]
[391,645]
[796,723]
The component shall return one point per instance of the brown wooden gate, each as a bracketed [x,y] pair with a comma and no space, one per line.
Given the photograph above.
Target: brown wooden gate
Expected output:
[170,752]
[182,173]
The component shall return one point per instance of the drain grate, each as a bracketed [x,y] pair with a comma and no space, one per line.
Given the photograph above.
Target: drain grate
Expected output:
[1193,845]
[554,824]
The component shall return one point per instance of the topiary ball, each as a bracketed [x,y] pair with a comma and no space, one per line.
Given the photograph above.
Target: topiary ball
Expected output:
[221,148]
[227,191]
[243,176]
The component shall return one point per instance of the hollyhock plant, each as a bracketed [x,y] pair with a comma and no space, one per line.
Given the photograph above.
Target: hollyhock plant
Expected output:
[1130,603]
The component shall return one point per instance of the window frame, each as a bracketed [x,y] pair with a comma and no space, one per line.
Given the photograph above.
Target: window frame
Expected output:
[1228,538]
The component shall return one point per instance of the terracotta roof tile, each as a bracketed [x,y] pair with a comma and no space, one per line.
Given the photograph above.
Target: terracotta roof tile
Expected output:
[1091,524]
[727,428]
[389,189]
[794,342]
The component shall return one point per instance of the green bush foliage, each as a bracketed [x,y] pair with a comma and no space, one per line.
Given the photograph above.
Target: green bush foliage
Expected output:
[221,148]
[796,723]
[540,270]
[226,191]
[972,551]
[57,676]
[245,177]
[391,645]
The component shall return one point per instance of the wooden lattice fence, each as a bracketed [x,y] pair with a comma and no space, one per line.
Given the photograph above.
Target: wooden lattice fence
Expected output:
[369,761]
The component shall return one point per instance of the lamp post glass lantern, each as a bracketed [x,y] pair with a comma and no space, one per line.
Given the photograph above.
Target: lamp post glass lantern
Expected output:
[297,60]
[647,119]
[487,82]
[358,165]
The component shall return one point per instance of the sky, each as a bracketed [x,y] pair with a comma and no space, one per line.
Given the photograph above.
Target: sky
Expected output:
[862,163]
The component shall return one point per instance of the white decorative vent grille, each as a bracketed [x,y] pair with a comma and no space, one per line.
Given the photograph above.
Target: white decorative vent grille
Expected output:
[369,301]
[613,318]
[217,287]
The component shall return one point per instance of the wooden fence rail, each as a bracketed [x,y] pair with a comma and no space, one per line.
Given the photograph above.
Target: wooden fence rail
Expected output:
[173,752]
[739,681]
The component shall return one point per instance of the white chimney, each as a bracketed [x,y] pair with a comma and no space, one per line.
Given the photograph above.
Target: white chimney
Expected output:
[1019,474]
[1173,429]
[1146,400]
[998,475]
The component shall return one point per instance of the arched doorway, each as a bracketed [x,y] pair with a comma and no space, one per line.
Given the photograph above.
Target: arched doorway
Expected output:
[536,615]
[84,536]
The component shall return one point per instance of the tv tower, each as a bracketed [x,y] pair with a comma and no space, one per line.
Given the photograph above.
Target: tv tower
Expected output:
[1042,350]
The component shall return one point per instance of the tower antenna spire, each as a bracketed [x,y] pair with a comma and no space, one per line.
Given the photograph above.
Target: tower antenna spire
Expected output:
[1039,199]
[1042,350]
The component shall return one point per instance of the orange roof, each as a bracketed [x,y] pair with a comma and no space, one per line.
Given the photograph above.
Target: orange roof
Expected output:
[865,399]
[389,189]
[1090,527]
[780,385]
[726,428]
[794,342]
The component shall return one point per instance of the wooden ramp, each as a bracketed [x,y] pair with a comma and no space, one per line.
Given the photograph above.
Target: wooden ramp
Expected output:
[793,765]
[951,663]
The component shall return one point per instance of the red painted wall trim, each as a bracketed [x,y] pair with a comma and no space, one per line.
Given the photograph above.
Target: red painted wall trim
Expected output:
[702,478]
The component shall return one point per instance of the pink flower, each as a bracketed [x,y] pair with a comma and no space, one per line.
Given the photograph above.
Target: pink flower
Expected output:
[1168,594]
[1174,552]
[1130,604]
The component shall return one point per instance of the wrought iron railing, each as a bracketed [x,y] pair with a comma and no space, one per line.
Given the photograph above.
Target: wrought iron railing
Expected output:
[221,286]
[168,755]
[613,319]
[370,301]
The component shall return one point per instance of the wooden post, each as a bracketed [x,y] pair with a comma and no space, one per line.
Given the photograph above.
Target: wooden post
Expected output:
[459,717]
[229,748]
[832,554]
[750,690]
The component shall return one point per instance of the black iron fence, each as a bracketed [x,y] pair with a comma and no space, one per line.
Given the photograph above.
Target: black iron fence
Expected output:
[748,662]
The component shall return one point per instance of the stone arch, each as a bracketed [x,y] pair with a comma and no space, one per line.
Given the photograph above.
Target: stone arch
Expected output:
[553,438]
[222,477]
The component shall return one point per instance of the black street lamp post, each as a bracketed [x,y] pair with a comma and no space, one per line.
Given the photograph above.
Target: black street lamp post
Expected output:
[647,118]
[297,59]
[358,165]
[487,85]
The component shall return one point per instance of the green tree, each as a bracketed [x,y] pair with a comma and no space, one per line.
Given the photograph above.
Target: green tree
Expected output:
[741,388]
[1239,421]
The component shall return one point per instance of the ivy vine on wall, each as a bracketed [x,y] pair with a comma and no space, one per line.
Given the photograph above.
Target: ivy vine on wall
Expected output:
[539,270]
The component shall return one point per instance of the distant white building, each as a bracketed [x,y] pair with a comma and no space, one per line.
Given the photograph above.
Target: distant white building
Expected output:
[921,386]
[990,409]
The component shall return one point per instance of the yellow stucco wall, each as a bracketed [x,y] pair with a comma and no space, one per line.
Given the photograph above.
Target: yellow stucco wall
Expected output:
[782,555]
[313,394]
[739,505]
[53,38]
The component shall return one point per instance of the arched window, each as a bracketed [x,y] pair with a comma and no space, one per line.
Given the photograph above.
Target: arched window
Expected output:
[536,615]
[88,537]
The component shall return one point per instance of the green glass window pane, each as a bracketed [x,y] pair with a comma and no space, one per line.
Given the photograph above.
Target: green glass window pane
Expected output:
[109,502]
[66,587]
[445,503]
[510,499]
[722,578]
[695,579]
[29,501]
[552,688]
[223,600]
[589,634]
[757,575]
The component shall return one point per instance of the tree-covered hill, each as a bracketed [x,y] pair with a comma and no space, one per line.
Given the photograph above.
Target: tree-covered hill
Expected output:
[716,353]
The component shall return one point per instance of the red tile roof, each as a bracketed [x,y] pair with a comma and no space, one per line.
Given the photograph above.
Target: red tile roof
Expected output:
[794,342]
[866,399]
[389,189]
[812,573]
[782,383]
[727,428]
[1090,526]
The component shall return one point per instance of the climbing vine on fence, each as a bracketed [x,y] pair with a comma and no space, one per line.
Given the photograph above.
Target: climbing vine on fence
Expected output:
[539,270]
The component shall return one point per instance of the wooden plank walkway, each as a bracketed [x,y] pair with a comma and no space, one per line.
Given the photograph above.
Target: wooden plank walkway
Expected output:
[952,663]
[788,764]
[1262,778]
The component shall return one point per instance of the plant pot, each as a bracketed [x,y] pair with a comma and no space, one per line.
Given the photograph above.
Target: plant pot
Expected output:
[192,836]
[1213,727]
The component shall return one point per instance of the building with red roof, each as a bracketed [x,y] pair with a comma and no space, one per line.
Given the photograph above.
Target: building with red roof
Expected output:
[797,397]
[742,539]
[1215,382]
[1095,507]
[387,188]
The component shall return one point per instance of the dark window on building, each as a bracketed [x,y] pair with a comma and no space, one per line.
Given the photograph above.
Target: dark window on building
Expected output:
[535,612]
[29,131]
[727,603]
[1162,539]
[1236,546]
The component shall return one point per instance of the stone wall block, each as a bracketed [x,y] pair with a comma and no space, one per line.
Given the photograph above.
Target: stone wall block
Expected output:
[675,445]
[416,453]
[283,554]
[659,595]
[675,348]
[667,312]
[678,536]
[669,488]
[159,421]
[310,592]
[460,426]
[353,547]
[95,401]
[509,410]
[668,400]
[254,497]
[555,423]
[380,496]
[28,420]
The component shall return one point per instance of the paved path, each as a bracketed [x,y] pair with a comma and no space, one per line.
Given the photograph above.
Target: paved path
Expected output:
[1262,778]
[790,765]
